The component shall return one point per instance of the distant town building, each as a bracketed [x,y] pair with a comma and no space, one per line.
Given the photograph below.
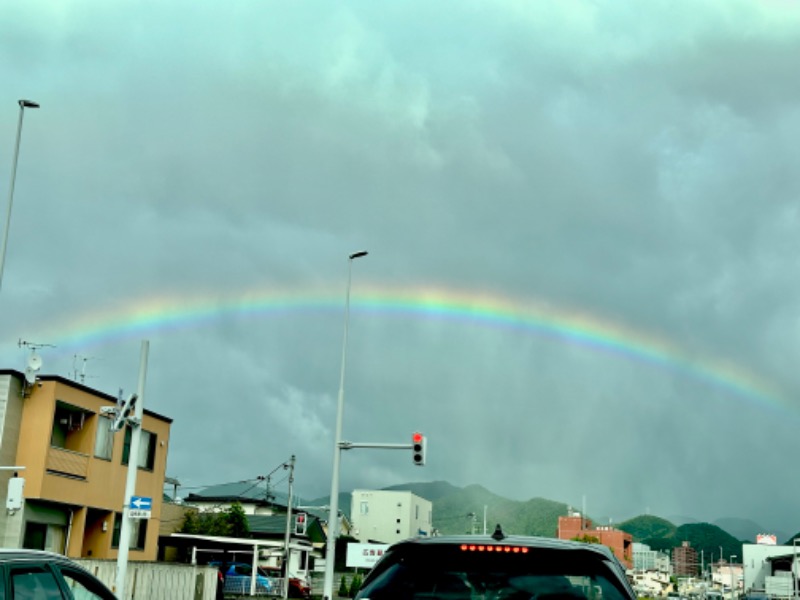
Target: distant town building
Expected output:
[646,559]
[575,526]
[387,516]
[685,561]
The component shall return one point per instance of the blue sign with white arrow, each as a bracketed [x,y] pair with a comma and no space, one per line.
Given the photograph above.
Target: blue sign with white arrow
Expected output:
[141,503]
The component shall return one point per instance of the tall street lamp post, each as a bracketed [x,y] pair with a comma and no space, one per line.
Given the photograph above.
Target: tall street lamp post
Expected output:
[23,104]
[333,510]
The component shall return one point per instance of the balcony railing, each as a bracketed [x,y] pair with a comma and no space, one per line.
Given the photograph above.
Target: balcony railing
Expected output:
[67,462]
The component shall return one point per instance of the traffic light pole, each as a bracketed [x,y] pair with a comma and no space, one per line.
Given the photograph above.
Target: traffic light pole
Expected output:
[133,468]
[350,445]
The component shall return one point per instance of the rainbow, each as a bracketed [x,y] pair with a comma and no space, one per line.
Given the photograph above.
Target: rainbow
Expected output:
[142,317]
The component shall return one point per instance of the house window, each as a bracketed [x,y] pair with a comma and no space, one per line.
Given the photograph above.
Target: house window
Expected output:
[147,449]
[138,535]
[104,440]
[365,508]
[67,431]
[416,511]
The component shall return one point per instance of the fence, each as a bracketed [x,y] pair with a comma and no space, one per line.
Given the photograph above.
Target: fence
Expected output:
[158,581]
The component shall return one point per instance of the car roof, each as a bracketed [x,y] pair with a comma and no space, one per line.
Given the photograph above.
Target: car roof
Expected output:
[9,554]
[511,540]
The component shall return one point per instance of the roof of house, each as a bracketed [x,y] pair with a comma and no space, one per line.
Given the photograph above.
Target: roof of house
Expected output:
[267,524]
[246,492]
[64,381]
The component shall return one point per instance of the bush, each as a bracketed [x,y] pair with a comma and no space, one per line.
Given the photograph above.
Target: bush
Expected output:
[343,591]
[355,585]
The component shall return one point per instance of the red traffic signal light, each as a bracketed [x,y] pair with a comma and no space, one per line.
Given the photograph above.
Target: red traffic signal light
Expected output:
[418,443]
[300,524]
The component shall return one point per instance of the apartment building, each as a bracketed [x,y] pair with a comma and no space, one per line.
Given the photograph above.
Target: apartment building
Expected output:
[387,516]
[576,526]
[75,469]
[685,560]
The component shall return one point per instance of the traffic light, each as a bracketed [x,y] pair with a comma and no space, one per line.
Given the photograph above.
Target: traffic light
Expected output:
[418,443]
[126,412]
[300,520]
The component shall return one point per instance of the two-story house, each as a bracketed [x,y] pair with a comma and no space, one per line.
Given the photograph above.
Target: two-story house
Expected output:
[75,469]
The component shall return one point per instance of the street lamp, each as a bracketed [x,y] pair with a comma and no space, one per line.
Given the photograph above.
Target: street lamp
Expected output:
[23,104]
[730,566]
[333,510]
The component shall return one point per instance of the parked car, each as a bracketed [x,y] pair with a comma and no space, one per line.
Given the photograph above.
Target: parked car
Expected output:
[298,588]
[33,574]
[238,575]
[496,567]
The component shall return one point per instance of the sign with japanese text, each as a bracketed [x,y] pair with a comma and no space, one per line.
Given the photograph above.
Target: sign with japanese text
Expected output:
[364,555]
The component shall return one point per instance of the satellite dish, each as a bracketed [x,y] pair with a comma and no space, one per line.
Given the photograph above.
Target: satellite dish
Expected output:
[35,362]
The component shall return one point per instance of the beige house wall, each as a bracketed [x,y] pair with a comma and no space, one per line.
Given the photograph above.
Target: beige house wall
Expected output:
[62,472]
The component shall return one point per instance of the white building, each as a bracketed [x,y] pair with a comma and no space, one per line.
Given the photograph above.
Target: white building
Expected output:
[386,517]
[645,559]
[769,568]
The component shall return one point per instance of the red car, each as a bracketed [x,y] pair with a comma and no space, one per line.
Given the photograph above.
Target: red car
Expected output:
[297,587]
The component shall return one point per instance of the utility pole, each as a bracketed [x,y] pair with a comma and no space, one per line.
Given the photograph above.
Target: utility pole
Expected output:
[288,530]
[135,424]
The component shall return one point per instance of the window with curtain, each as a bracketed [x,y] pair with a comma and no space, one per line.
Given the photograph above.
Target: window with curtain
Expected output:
[104,440]
[147,449]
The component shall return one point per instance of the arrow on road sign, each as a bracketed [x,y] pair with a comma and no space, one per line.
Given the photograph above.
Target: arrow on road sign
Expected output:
[141,502]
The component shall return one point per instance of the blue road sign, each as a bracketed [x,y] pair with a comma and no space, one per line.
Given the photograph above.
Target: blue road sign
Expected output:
[141,503]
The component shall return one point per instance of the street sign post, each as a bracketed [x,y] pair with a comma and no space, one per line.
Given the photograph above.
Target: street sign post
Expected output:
[140,507]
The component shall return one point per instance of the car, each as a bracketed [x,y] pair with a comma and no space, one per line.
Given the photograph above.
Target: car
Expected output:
[238,576]
[297,587]
[34,574]
[496,567]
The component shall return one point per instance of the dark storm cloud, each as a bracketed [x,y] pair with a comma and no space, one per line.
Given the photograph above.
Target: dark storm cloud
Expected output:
[632,166]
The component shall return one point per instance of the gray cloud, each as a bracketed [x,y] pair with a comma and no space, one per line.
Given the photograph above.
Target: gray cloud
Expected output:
[633,170]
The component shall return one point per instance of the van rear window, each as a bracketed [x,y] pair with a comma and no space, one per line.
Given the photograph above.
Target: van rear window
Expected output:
[449,572]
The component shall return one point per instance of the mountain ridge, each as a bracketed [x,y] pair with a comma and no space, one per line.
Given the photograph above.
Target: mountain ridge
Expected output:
[473,508]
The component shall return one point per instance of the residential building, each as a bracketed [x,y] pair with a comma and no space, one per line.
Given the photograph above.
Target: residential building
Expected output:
[767,568]
[387,516]
[266,512]
[576,526]
[645,559]
[685,562]
[256,498]
[75,469]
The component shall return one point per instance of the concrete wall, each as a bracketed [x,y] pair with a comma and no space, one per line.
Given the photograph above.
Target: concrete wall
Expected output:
[11,526]
[157,581]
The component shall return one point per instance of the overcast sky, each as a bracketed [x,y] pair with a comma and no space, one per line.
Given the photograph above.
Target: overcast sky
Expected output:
[582,220]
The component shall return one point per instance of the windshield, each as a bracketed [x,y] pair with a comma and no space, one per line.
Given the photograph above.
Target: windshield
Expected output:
[447,572]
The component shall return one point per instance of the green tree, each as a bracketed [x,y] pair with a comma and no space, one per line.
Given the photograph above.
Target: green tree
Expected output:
[586,539]
[228,523]
[355,585]
[237,521]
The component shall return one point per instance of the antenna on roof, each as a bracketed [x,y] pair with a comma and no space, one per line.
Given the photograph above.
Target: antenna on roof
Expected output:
[34,364]
[76,376]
